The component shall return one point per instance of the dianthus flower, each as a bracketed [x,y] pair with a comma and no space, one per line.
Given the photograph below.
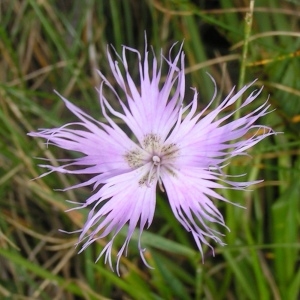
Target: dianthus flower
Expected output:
[171,146]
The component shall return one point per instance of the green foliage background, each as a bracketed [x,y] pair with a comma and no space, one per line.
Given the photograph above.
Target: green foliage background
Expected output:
[47,45]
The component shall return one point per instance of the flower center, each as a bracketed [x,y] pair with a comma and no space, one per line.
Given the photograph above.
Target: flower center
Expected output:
[158,154]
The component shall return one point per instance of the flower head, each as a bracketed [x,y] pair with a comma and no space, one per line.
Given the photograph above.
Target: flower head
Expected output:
[173,147]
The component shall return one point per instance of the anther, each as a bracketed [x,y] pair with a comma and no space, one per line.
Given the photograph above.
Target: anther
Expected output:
[156,160]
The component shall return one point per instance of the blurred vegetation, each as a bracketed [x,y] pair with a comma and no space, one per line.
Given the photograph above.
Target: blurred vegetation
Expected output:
[47,45]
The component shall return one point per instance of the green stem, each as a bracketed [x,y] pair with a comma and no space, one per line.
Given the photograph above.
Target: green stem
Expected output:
[248,25]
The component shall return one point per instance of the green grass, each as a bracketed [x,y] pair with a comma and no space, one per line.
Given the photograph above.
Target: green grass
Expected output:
[47,45]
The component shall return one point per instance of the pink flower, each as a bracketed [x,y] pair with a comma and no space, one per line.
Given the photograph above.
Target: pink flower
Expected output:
[172,146]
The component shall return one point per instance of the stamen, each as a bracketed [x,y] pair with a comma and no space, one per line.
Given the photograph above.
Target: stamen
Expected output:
[161,185]
[150,175]
[155,168]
